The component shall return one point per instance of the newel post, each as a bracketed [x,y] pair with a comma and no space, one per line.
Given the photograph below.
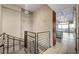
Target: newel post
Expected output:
[25,39]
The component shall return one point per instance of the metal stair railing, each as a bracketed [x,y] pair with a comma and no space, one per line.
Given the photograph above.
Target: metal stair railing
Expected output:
[30,41]
[29,37]
[33,41]
[43,41]
[6,42]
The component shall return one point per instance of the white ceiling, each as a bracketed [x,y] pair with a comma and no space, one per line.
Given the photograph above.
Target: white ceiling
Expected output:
[59,7]
[56,7]
[30,7]
[33,7]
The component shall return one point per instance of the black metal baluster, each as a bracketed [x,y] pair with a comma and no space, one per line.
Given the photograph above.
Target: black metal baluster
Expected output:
[3,43]
[49,39]
[7,43]
[19,44]
[25,39]
[37,44]
[30,47]
[13,44]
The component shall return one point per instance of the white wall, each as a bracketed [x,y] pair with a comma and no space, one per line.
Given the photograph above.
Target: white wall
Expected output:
[13,22]
[42,20]
[14,25]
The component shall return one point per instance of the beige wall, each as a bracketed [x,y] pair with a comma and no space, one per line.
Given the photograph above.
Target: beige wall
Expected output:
[42,20]
[0,21]
[11,21]
[14,25]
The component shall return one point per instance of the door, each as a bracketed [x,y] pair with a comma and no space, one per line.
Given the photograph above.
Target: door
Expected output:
[54,28]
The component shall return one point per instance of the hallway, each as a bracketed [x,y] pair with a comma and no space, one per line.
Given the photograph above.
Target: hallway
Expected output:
[65,46]
[40,28]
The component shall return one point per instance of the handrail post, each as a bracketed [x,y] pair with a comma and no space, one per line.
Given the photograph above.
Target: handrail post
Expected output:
[3,43]
[37,51]
[25,39]
[19,44]
[7,43]
[49,40]
[13,44]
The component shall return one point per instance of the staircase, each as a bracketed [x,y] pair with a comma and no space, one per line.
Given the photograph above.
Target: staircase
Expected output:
[33,43]
[11,45]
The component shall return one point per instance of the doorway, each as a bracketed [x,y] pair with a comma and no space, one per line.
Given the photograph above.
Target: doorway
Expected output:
[65,29]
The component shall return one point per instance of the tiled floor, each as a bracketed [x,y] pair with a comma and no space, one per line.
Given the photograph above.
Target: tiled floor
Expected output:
[66,46]
[58,49]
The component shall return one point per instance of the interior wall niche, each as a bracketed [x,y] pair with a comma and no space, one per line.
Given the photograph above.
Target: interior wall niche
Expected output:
[26,21]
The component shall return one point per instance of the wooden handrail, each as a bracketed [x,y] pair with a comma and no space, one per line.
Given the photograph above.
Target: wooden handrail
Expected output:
[1,45]
[43,32]
[30,36]
[31,32]
[14,36]
[2,34]
[9,37]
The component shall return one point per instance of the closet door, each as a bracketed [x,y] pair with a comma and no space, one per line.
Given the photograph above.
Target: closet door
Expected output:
[11,21]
